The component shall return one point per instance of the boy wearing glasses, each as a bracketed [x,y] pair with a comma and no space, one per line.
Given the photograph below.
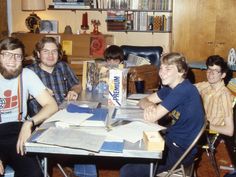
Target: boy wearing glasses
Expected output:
[57,76]
[15,128]
[216,97]
[182,100]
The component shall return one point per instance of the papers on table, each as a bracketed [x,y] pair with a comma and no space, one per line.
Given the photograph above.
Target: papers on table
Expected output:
[133,99]
[73,138]
[128,114]
[68,118]
[113,146]
[87,104]
[133,131]
[79,116]
[137,96]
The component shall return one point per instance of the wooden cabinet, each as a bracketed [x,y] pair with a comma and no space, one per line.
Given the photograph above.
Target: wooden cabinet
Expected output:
[203,28]
[77,47]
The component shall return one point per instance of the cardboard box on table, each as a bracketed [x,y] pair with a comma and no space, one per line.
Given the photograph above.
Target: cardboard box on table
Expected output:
[117,87]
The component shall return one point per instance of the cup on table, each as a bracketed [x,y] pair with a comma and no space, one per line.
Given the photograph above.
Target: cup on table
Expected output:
[139,85]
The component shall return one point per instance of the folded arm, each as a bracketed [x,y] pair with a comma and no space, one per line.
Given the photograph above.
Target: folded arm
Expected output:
[152,111]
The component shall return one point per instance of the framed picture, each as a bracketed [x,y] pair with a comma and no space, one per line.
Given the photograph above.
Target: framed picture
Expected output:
[49,26]
[57,37]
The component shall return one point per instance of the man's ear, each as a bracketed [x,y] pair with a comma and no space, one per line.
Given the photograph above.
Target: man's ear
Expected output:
[38,54]
[223,75]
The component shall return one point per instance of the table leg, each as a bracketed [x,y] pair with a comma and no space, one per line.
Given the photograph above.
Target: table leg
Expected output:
[45,167]
[151,170]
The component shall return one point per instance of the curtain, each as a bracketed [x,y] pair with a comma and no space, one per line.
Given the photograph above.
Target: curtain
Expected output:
[3,19]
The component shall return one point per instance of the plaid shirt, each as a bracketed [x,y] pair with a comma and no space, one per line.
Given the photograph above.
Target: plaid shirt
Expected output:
[60,81]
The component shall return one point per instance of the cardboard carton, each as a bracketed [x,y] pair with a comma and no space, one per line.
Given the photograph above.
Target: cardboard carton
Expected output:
[117,87]
[153,141]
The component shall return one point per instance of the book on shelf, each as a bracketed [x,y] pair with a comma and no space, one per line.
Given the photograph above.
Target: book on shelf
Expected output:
[71,6]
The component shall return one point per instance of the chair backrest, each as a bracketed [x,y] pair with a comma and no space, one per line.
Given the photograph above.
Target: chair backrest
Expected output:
[191,146]
[153,53]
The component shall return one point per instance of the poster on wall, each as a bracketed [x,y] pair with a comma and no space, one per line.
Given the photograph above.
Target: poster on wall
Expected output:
[97,45]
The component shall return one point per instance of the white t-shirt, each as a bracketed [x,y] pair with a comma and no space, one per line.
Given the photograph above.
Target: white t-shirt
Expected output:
[9,98]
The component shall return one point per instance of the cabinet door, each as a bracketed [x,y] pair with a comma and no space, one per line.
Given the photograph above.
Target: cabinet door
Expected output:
[194,23]
[225,27]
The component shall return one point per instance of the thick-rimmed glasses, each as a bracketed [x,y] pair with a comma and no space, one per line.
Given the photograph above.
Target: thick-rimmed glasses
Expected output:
[213,71]
[8,55]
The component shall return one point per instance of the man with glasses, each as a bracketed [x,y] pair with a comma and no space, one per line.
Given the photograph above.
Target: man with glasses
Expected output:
[58,77]
[216,97]
[15,128]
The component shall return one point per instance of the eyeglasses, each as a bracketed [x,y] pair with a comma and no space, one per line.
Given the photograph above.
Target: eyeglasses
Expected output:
[213,71]
[48,52]
[8,55]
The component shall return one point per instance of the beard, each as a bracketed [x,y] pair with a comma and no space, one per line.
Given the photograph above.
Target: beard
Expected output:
[10,74]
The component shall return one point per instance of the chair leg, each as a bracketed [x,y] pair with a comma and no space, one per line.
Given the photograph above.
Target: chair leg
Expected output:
[213,162]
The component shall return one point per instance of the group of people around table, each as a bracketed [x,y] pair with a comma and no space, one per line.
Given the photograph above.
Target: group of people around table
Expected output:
[30,95]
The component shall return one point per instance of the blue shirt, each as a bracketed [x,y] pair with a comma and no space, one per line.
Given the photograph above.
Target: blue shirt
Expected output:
[60,81]
[184,103]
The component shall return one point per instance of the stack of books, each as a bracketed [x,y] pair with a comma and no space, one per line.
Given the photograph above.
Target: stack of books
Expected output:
[116,20]
[71,4]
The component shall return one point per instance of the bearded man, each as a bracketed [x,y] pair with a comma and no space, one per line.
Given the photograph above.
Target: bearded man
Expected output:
[16,86]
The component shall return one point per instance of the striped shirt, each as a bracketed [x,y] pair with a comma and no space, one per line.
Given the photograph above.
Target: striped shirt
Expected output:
[60,81]
[217,103]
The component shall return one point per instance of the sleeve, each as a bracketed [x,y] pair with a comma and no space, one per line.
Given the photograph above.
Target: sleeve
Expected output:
[33,83]
[72,79]
[227,102]
[173,99]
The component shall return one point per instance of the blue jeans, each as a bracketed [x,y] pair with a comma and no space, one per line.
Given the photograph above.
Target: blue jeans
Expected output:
[170,156]
[85,170]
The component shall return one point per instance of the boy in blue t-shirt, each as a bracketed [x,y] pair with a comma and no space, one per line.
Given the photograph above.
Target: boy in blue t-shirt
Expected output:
[179,98]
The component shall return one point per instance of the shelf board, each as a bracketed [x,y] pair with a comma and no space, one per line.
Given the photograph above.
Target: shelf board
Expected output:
[51,7]
[148,31]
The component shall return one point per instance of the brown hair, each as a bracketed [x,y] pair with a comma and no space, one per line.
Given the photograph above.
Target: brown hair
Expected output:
[176,59]
[40,45]
[11,43]
[114,52]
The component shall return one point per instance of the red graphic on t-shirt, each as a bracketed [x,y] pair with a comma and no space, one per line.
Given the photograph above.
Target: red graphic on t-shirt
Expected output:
[9,101]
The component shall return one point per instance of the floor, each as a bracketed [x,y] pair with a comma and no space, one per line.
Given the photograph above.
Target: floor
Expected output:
[204,170]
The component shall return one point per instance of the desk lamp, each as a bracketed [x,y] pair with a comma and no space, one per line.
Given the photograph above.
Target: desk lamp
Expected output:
[32,21]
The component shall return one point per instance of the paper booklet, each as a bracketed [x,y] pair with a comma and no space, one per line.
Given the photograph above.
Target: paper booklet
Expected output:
[98,118]
[128,114]
[72,138]
[133,131]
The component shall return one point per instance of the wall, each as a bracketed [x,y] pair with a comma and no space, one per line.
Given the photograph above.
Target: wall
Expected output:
[74,18]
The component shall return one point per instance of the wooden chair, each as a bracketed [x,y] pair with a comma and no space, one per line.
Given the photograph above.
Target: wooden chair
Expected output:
[179,169]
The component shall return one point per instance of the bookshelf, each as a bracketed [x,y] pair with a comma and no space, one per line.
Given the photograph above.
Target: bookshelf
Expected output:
[154,16]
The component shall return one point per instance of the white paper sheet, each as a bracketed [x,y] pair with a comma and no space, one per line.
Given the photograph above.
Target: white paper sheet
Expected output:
[73,138]
[137,96]
[69,118]
[133,131]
